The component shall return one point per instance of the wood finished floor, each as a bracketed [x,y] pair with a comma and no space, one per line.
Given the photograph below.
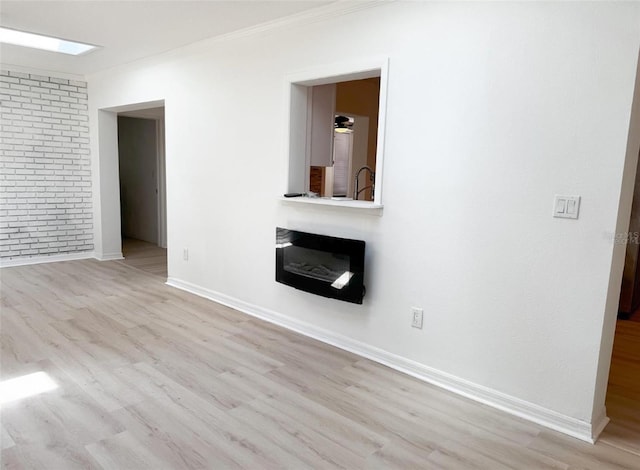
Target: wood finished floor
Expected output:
[145,256]
[623,394]
[152,377]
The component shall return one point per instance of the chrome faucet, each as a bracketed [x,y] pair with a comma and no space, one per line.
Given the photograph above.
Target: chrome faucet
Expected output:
[372,178]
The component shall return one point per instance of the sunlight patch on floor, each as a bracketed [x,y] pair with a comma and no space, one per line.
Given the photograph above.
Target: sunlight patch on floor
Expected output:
[25,386]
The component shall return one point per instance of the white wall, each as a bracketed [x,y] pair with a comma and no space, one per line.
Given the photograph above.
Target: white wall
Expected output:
[492,109]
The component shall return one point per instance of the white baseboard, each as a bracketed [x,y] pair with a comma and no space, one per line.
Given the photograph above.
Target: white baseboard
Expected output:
[599,424]
[6,263]
[566,424]
[109,256]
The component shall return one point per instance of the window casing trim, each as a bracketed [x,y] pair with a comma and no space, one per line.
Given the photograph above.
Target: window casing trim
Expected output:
[298,105]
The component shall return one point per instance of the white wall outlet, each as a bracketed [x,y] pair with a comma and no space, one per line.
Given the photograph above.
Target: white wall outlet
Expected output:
[566,207]
[185,254]
[416,317]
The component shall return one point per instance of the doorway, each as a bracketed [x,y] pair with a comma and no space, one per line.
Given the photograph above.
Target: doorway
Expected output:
[623,391]
[621,336]
[143,189]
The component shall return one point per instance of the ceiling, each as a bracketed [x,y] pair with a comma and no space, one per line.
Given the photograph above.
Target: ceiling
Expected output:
[130,30]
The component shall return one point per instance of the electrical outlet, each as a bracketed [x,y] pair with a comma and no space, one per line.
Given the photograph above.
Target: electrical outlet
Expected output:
[416,319]
[185,254]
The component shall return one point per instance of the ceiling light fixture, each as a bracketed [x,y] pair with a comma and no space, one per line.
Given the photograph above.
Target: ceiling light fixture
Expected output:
[343,124]
[47,43]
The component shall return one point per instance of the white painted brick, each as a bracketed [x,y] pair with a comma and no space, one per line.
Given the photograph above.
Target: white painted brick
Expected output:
[39,89]
[66,238]
[9,91]
[10,254]
[53,99]
[62,81]
[28,82]
[18,86]
[11,104]
[60,92]
[45,177]
[17,99]
[30,94]
[31,106]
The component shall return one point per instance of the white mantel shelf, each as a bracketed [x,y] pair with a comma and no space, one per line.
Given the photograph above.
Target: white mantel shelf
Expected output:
[364,206]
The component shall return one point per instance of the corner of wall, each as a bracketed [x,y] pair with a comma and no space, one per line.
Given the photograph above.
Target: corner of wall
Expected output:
[618,255]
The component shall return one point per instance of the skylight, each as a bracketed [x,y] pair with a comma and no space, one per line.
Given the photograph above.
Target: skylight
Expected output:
[47,43]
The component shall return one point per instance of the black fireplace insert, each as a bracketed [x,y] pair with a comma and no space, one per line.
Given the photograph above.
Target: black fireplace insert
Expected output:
[327,266]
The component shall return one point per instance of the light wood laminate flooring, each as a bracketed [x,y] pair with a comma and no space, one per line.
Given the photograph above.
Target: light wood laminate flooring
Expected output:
[145,256]
[152,377]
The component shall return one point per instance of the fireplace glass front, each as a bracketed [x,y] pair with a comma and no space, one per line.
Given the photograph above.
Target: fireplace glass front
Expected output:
[327,266]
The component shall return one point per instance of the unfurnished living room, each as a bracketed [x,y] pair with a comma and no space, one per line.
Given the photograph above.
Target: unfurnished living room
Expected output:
[319,234]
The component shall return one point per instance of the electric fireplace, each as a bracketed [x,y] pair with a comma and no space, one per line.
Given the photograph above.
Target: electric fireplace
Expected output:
[327,266]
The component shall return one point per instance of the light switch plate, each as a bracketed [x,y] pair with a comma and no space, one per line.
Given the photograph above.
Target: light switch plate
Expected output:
[566,207]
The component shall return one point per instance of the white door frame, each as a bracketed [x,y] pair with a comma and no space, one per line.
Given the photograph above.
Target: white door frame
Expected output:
[161,184]
[106,180]
[599,417]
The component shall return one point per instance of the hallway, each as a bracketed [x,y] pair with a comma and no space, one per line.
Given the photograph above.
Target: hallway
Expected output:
[145,256]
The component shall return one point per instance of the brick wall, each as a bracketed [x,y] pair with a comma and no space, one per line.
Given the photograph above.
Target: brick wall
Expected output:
[45,178]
